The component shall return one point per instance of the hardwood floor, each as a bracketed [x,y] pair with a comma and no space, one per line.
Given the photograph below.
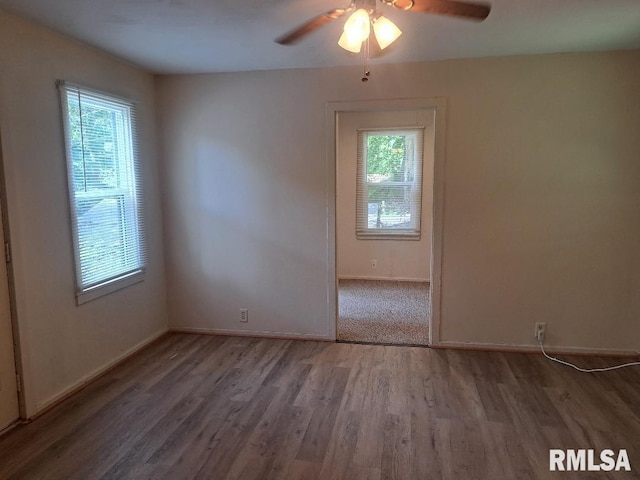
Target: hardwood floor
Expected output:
[206,407]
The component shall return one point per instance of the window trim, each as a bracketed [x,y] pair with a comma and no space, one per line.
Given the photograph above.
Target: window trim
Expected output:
[105,286]
[363,232]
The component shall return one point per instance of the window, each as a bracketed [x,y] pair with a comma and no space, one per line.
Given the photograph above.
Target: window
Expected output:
[104,188]
[389,183]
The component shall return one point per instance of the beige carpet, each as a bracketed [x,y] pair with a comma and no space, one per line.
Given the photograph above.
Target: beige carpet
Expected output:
[389,312]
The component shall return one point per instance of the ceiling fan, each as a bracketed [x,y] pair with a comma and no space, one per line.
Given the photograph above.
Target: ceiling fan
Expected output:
[364,17]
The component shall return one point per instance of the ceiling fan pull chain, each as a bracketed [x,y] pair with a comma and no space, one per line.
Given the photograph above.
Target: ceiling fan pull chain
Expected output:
[366,73]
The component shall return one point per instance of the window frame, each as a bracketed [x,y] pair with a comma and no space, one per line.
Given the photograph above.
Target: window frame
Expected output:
[127,165]
[363,231]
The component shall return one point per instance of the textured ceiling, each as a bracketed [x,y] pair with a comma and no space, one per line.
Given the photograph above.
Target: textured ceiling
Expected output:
[191,36]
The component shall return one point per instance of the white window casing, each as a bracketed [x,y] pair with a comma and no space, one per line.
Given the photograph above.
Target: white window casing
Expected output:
[389,191]
[104,190]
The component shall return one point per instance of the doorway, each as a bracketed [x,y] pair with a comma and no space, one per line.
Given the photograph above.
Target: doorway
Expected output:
[384,204]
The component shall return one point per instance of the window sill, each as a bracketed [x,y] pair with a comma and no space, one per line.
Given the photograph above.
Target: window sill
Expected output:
[109,287]
[388,236]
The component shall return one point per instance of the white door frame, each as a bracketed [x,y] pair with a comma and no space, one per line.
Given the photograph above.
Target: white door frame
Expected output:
[332,111]
[4,218]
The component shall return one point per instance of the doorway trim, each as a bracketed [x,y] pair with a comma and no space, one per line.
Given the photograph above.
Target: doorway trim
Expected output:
[331,115]
[17,352]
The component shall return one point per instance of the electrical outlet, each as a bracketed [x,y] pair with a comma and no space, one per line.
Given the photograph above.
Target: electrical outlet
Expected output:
[541,329]
[244,315]
[374,264]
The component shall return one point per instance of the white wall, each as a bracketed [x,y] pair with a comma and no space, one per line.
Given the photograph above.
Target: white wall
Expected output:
[396,259]
[61,343]
[541,196]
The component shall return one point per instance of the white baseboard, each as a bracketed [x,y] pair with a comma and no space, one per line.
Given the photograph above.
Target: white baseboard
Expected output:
[48,404]
[391,279]
[557,350]
[252,333]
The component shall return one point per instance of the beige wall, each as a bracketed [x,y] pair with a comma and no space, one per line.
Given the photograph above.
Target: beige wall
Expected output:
[63,344]
[396,259]
[541,196]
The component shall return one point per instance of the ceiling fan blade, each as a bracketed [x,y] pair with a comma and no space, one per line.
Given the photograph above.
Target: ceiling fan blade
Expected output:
[473,11]
[306,28]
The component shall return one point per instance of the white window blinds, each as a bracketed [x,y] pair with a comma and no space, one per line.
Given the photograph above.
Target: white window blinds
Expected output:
[389,183]
[105,190]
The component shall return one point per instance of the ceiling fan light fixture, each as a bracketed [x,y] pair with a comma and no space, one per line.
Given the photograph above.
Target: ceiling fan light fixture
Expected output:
[385,31]
[350,43]
[358,25]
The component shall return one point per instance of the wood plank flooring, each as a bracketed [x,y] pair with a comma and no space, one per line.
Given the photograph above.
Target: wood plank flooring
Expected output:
[207,407]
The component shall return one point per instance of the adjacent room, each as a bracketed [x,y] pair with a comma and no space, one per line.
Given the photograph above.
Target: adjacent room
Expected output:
[384,203]
[310,240]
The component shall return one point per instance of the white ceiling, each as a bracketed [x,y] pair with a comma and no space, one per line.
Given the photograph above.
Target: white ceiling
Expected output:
[192,36]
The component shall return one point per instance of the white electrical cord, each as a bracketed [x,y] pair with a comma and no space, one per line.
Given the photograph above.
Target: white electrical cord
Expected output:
[587,370]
